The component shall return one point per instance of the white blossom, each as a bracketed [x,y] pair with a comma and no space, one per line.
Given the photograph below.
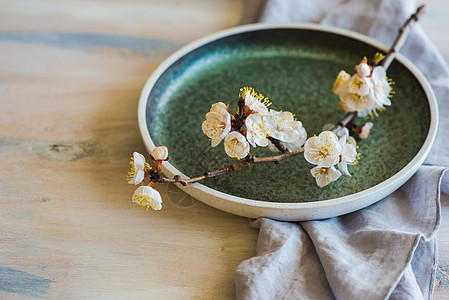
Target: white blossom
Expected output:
[302,136]
[147,197]
[137,172]
[364,91]
[353,92]
[293,145]
[281,126]
[236,145]
[284,127]
[348,153]
[217,124]
[324,176]
[256,102]
[380,87]
[323,150]
[258,128]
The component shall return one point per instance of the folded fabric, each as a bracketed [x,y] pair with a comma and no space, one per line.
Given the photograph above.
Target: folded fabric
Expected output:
[387,250]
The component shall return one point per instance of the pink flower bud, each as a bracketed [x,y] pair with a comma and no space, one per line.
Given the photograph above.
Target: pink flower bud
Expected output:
[364,131]
[160,153]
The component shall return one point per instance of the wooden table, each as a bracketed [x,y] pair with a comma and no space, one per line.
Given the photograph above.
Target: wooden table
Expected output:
[71,73]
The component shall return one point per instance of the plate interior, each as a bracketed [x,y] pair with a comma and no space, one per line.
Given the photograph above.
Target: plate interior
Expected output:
[296,69]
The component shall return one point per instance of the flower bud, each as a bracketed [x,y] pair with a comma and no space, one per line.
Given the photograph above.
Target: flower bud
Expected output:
[364,131]
[160,153]
[363,70]
[242,93]
[148,197]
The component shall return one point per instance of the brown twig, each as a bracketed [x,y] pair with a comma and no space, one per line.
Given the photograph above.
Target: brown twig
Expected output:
[239,114]
[402,36]
[249,160]
[278,144]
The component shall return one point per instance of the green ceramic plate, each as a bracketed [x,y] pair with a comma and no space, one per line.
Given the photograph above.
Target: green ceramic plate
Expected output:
[295,66]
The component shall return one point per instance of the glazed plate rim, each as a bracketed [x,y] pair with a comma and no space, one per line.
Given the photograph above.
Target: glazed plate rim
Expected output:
[300,210]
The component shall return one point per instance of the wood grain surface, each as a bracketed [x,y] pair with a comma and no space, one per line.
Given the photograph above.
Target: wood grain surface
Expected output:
[71,73]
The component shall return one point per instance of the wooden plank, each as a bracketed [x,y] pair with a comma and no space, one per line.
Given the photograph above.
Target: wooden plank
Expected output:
[168,20]
[71,76]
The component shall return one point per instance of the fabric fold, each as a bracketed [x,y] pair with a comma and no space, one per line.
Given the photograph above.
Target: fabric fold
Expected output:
[387,250]
[286,266]
[376,253]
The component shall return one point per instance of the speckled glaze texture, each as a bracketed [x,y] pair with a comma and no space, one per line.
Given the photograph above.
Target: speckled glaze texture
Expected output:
[296,70]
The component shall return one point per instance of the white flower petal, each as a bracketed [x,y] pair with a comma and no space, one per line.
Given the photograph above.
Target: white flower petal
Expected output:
[262,141]
[310,152]
[284,126]
[349,153]
[140,175]
[251,138]
[342,141]
[236,145]
[354,102]
[254,104]
[379,73]
[218,106]
[359,85]
[324,176]
[302,136]
[343,166]
[215,142]
[139,160]
[147,196]
[381,88]
[363,70]
[342,132]
[258,128]
[323,150]
[217,125]
[137,172]
[341,84]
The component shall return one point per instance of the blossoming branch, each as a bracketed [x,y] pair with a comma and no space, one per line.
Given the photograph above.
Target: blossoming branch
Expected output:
[254,124]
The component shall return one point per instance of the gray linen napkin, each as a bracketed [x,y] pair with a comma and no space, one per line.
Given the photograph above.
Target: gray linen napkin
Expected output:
[387,250]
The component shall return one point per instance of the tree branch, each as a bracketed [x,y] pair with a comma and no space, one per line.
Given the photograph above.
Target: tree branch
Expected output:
[278,144]
[286,153]
[401,37]
[239,114]
[249,160]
